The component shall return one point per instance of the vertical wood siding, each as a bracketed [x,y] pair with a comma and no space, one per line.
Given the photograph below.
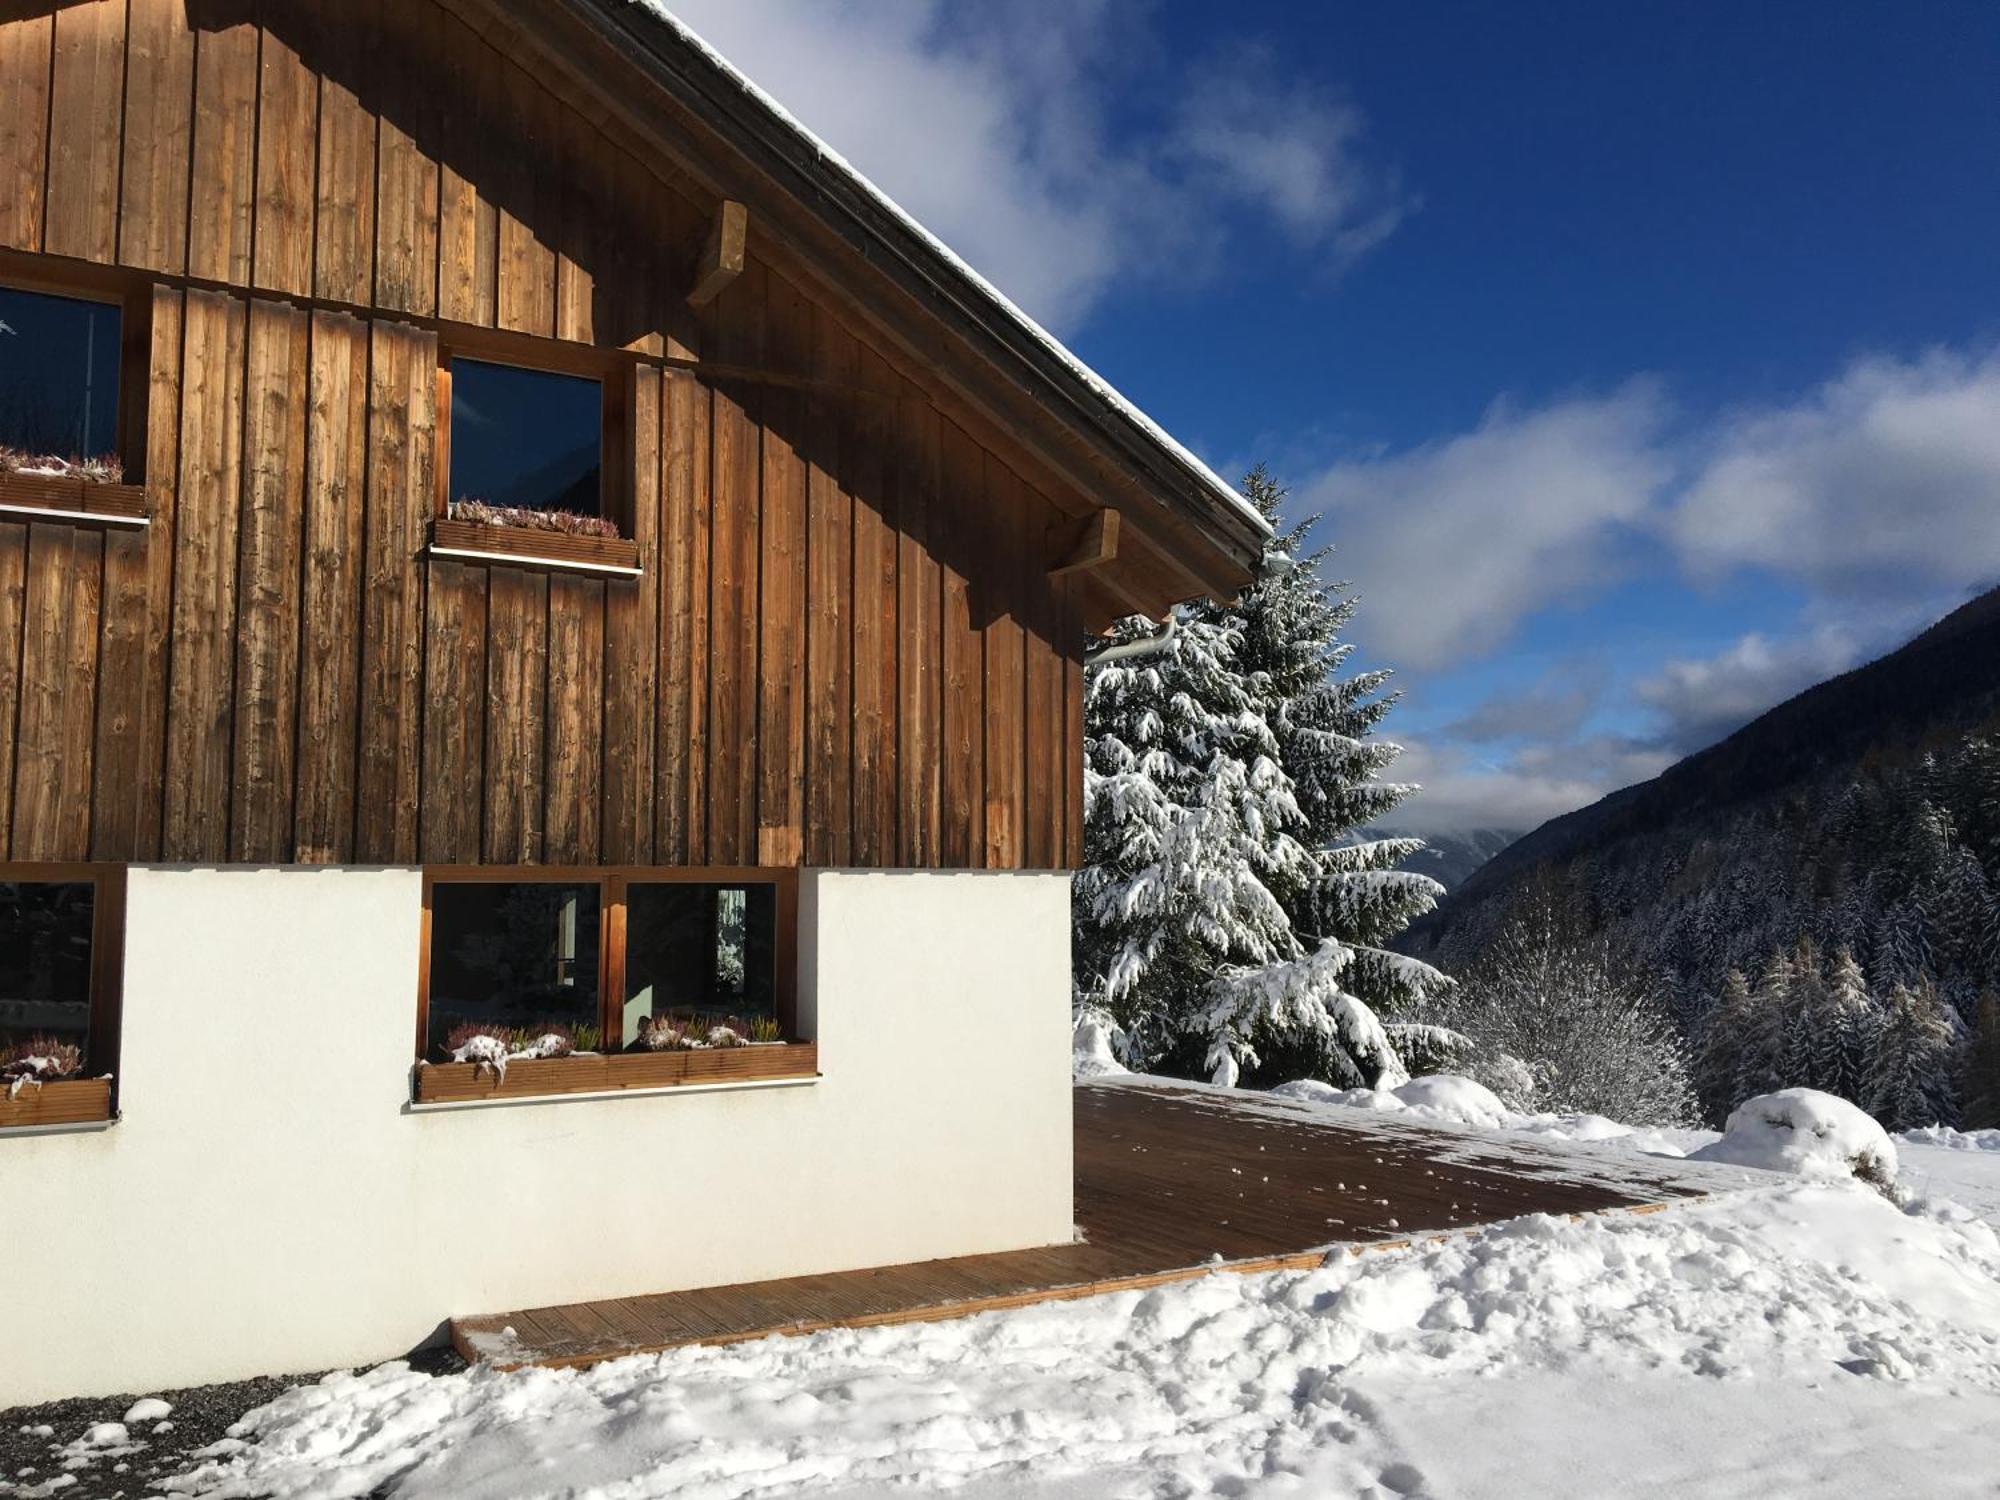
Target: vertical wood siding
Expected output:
[843,649]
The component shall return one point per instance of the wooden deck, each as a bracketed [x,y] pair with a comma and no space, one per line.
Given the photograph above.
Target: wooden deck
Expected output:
[1172,1182]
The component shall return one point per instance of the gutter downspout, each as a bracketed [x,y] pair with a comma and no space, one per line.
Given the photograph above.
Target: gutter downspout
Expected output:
[1149,645]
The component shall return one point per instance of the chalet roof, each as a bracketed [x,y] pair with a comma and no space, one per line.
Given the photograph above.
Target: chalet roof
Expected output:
[892,232]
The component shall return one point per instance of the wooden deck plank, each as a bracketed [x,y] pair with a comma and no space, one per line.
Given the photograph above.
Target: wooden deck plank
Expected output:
[1171,1184]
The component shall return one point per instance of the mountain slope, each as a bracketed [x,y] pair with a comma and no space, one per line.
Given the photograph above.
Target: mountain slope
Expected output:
[1761,783]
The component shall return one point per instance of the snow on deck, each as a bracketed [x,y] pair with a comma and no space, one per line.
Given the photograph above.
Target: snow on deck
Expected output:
[1173,1180]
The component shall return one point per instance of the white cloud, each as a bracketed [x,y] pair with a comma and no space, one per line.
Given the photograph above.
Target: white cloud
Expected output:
[1453,544]
[1881,485]
[993,131]
[1462,792]
[1703,699]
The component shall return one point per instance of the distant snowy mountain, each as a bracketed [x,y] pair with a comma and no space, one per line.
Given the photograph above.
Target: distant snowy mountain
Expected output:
[1448,858]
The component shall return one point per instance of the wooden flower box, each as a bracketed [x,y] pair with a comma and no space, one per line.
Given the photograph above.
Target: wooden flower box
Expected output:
[74,498]
[72,1101]
[595,1073]
[526,547]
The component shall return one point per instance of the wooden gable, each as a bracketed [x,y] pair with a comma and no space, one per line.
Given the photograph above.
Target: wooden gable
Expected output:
[845,645]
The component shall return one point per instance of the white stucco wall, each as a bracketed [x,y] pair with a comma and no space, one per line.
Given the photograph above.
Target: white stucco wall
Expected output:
[269,1203]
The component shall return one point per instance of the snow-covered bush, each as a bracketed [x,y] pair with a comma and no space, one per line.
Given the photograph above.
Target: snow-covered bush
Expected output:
[1550,998]
[482,1046]
[1090,1054]
[1807,1132]
[1450,1097]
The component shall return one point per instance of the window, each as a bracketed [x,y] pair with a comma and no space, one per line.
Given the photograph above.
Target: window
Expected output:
[59,972]
[627,978]
[699,949]
[59,378]
[520,957]
[525,441]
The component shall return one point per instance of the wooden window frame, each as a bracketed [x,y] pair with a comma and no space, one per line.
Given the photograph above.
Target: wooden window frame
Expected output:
[611,369]
[799,1056]
[83,501]
[93,1098]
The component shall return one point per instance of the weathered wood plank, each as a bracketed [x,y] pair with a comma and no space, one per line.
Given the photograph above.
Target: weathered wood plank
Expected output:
[13,620]
[829,606]
[631,648]
[584,206]
[575,738]
[330,591]
[1070,632]
[201,691]
[57,712]
[468,221]
[287,149]
[346,46]
[27,44]
[454,712]
[681,806]
[516,698]
[158,136]
[1005,542]
[86,115]
[222,206]
[736,499]
[267,584]
[781,625]
[920,636]
[409,144]
[401,434]
[529,193]
[872,740]
[961,501]
[1044,782]
[163,433]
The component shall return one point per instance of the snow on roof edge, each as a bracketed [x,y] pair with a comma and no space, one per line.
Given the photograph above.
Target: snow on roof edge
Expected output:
[1089,378]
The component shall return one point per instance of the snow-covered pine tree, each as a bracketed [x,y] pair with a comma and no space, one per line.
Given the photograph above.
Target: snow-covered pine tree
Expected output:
[1847,1039]
[1911,1082]
[1719,1062]
[1982,1065]
[1761,1058]
[1805,1020]
[1221,923]
[1323,718]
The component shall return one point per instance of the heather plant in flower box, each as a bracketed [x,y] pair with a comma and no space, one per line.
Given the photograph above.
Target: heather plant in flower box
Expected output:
[528,518]
[38,1060]
[104,469]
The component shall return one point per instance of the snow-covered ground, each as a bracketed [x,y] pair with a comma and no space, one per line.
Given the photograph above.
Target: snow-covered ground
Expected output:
[1798,1337]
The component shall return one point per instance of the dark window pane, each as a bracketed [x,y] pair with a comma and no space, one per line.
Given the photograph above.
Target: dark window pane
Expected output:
[45,962]
[526,437]
[58,375]
[700,950]
[519,957]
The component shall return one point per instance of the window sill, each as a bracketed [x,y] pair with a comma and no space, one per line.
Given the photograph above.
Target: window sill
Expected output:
[73,1101]
[520,547]
[617,1072]
[64,497]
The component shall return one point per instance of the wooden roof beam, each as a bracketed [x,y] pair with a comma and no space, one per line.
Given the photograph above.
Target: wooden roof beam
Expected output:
[1080,548]
[721,260]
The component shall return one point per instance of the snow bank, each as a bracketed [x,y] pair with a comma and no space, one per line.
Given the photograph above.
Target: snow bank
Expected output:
[1807,1132]
[1437,1098]
[1090,1054]
[1946,1139]
[1281,1384]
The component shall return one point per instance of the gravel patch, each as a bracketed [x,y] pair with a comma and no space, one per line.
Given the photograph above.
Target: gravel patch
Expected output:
[67,1450]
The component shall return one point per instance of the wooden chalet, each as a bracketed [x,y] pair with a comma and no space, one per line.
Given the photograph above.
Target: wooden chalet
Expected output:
[507,540]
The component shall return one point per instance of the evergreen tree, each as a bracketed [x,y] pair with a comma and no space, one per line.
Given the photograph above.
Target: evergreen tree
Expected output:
[1226,919]
[1910,1080]
[1719,1063]
[1760,1061]
[1848,1038]
[1982,1066]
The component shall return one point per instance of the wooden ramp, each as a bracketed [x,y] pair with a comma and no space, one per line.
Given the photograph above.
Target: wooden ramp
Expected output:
[1172,1181]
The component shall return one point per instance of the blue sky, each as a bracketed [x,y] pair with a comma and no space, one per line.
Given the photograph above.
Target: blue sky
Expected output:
[1644,358]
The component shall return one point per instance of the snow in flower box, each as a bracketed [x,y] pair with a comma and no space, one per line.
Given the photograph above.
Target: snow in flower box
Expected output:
[518,534]
[485,1062]
[41,1083]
